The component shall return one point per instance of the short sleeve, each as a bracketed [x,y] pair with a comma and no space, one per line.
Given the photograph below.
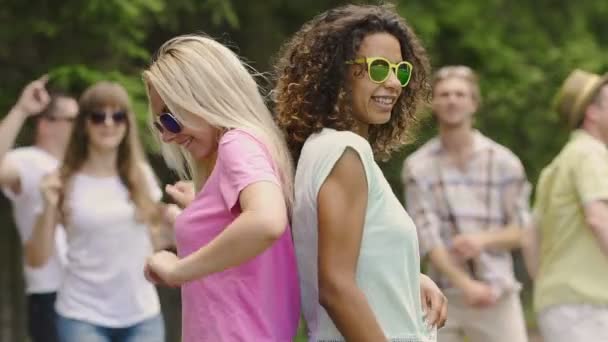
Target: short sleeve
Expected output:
[330,148]
[516,195]
[539,206]
[29,175]
[591,177]
[242,160]
[155,191]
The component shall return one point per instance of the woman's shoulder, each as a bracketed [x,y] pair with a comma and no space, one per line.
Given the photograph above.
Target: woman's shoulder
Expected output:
[323,150]
[241,141]
[329,140]
[239,135]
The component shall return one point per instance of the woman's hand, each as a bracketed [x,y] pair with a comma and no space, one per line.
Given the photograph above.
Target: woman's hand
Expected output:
[162,269]
[51,190]
[434,303]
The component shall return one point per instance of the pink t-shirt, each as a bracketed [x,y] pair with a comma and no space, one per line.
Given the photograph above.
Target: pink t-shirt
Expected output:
[255,301]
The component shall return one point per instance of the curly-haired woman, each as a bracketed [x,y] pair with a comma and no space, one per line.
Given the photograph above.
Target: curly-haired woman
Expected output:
[349,84]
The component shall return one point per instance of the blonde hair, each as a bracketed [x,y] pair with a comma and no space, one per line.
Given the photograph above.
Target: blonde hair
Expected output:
[198,75]
[459,71]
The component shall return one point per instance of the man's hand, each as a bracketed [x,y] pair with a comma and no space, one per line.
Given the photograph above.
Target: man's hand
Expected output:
[34,97]
[468,246]
[478,294]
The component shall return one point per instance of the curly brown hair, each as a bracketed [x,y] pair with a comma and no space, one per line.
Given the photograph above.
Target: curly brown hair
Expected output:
[311,90]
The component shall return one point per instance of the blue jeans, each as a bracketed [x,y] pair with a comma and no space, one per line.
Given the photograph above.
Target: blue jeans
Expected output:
[72,330]
[42,317]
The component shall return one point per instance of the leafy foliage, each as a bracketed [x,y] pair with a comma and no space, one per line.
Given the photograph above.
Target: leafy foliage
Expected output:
[522,50]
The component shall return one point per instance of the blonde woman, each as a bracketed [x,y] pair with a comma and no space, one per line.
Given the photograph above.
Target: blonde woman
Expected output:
[105,195]
[236,262]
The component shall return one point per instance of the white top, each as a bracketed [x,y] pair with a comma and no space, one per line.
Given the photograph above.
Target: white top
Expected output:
[33,163]
[388,269]
[107,250]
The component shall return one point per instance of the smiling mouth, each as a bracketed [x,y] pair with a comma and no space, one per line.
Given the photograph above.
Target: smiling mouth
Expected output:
[186,142]
[384,100]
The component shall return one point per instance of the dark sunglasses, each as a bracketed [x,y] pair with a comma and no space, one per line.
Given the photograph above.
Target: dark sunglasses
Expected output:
[98,118]
[166,121]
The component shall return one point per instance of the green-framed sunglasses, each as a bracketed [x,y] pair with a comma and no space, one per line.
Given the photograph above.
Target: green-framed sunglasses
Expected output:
[379,68]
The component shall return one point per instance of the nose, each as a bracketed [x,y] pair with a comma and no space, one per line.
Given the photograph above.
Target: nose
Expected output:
[108,120]
[392,81]
[452,98]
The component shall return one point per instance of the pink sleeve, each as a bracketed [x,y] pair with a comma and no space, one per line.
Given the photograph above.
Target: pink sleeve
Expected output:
[243,160]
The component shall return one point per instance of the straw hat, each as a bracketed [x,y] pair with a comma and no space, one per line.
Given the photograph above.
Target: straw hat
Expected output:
[576,92]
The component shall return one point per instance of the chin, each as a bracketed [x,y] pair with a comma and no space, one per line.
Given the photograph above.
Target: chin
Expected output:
[380,118]
[108,145]
[199,154]
[455,119]
[454,123]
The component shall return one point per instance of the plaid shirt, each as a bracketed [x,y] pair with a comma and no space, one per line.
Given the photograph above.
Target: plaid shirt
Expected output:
[445,201]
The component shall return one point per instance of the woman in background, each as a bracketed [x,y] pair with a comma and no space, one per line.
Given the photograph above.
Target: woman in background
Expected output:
[106,196]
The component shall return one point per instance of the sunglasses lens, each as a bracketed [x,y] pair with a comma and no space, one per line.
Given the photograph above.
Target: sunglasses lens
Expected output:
[97,118]
[170,123]
[378,70]
[119,117]
[404,73]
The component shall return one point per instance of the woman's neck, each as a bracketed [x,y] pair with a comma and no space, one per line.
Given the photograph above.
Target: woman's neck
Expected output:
[362,129]
[101,163]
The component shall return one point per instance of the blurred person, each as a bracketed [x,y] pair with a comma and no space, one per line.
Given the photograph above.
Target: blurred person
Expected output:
[21,171]
[349,83]
[567,248]
[235,263]
[469,198]
[105,195]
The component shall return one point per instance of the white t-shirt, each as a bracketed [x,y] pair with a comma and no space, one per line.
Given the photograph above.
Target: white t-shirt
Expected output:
[388,268]
[107,250]
[33,163]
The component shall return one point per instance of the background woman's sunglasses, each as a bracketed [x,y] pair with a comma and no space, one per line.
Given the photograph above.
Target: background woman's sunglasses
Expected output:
[98,118]
[379,68]
[166,121]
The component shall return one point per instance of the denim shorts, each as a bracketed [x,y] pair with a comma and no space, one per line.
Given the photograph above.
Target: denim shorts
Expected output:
[72,330]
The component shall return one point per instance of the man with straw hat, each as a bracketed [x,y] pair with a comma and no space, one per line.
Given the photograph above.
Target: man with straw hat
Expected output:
[567,249]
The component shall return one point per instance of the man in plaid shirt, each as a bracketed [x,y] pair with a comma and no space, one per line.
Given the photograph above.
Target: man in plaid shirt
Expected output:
[468,196]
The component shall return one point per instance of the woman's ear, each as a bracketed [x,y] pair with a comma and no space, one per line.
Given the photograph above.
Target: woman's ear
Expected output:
[357,70]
